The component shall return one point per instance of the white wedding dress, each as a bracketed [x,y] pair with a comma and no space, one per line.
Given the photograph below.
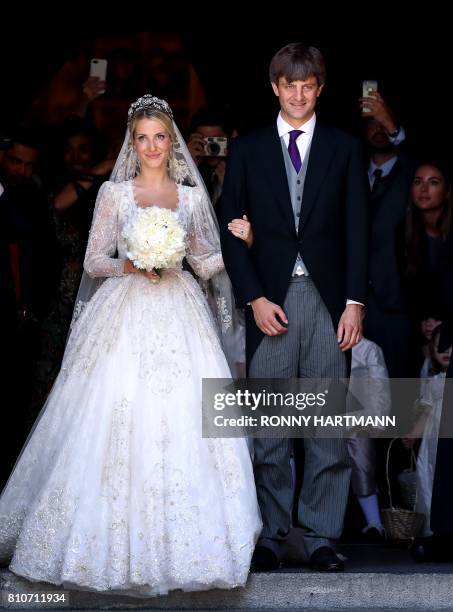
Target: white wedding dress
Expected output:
[116,490]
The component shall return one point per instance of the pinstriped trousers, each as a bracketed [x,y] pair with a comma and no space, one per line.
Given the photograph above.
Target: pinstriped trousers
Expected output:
[309,349]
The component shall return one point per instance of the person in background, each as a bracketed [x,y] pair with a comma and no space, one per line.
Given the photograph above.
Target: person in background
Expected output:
[431,319]
[426,426]
[370,387]
[428,226]
[387,322]
[211,159]
[439,547]
[30,260]
[79,171]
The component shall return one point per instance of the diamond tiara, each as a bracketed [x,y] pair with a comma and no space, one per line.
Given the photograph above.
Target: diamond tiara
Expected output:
[148,101]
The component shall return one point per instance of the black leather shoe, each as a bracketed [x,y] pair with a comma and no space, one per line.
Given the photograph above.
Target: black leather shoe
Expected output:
[425,550]
[421,551]
[373,533]
[324,559]
[264,560]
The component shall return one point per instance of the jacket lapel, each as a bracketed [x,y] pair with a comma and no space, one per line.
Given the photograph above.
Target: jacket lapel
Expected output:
[322,150]
[274,164]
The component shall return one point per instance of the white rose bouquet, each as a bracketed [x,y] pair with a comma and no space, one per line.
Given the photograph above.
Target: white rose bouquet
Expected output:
[155,239]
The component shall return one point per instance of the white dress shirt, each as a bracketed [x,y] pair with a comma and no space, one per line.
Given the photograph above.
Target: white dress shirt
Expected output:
[303,140]
[386,168]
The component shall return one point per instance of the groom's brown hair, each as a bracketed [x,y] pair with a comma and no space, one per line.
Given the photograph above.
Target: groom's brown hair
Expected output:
[297,62]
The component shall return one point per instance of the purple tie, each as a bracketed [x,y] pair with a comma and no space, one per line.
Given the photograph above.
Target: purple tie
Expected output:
[293,149]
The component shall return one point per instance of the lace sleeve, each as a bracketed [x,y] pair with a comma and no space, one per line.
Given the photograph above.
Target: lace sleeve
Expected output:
[102,242]
[204,253]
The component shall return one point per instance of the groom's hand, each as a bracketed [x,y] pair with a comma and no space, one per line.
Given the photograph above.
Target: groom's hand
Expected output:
[350,326]
[267,315]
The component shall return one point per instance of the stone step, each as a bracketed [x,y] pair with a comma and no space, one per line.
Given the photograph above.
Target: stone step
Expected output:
[376,578]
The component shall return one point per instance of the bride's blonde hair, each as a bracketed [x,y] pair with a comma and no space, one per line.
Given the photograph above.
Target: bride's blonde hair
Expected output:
[157,115]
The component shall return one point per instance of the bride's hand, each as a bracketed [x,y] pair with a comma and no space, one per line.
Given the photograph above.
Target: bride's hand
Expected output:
[242,229]
[152,276]
[129,268]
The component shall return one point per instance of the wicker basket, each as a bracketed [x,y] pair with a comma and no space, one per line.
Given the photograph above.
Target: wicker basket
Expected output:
[400,523]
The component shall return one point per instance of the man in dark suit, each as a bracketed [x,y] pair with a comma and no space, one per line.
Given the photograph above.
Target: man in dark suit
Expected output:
[388,322]
[390,174]
[303,187]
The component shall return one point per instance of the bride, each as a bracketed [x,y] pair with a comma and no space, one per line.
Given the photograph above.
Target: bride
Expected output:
[115,489]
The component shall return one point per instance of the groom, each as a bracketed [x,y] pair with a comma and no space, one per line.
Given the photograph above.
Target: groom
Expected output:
[303,186]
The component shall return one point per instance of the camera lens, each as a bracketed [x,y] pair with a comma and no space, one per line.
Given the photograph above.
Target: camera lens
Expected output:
[213,148]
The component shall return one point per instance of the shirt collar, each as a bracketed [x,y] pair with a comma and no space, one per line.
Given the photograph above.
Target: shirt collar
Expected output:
[285,128]
[386,167]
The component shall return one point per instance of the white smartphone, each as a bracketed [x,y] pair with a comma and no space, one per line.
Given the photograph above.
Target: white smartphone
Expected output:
[367,87]
[98,68]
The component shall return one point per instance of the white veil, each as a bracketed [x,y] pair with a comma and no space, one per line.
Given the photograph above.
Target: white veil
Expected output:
[218,290]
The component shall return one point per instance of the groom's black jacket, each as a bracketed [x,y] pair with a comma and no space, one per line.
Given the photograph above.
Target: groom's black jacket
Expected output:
[333,224]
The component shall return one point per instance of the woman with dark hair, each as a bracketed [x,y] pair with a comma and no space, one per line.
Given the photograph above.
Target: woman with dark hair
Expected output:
[428,224]
[82,170]
[429,249]
[431,318]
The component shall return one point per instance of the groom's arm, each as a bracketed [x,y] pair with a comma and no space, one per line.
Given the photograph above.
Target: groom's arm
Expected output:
[357,226]
[349,330]
[236,254]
